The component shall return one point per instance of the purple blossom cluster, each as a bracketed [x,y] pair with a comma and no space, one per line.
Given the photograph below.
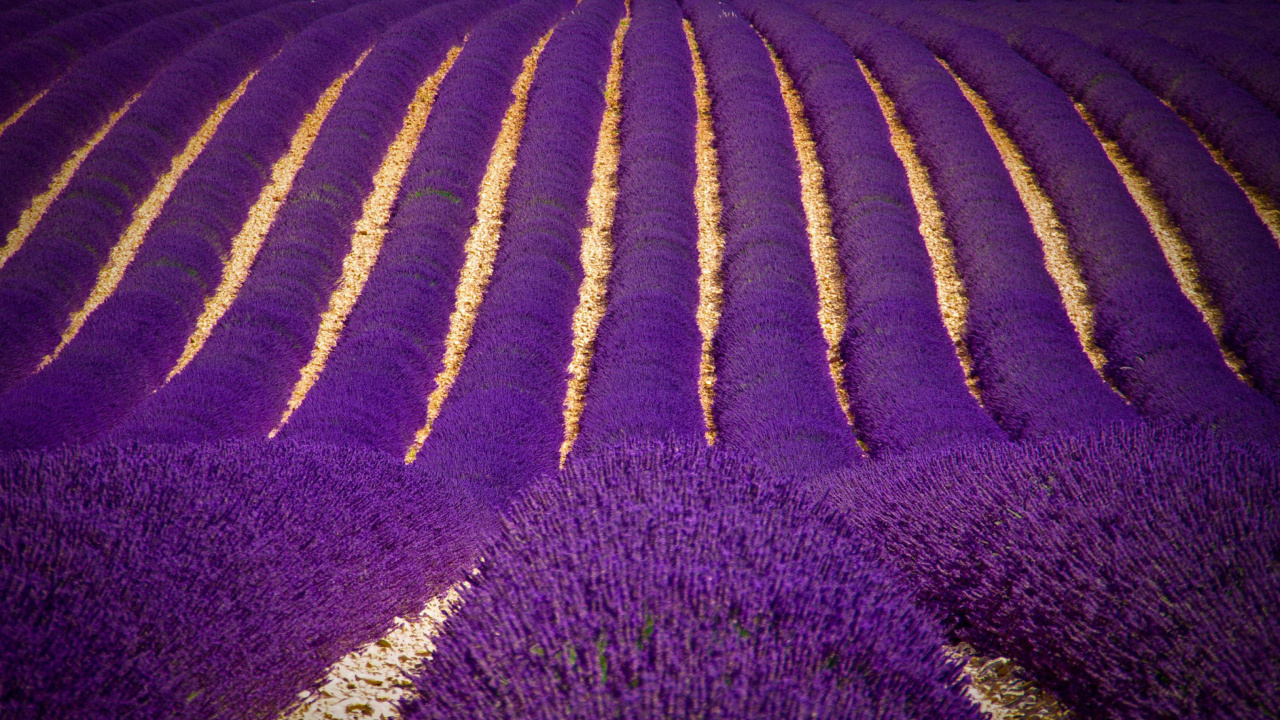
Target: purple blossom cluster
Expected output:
[19,20]
[514,375]
[645,369]
[1237,258]
[1132,572]
[105,372]
[239,383]
[774,394]
[1035,379]
[1161,355]
[374,390]
[905,384]
[30,66]
[207,581]
[670,580]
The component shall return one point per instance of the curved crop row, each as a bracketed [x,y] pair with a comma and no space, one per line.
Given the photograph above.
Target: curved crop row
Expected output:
[774,392]
[32,65]
[678,581]
[127,167]
[1035,378]
[229,576]
[375,387]
[240,381]
[1245,130]
[17,23]
[1131,571]
[1160,353]
[514,373]
[644,372]
[103,374]
[905,385]
[1238,259]
[33,147]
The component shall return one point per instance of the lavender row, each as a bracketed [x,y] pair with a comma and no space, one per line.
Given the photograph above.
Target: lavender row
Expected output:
[645,370]
[512,383]
[774,393]
[34,147]
[1245,130]
[17,23]
[1238,260]
[1244,63]
[1132,572]
[377,379]
[28,67]
[105,371]
[1161,355]
[1034,376]
[905,385]
[677,581]
[240,382]
[207,581]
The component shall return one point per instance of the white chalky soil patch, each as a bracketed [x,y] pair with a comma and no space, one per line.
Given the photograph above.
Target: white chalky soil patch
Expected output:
[1001,689]
[371,682]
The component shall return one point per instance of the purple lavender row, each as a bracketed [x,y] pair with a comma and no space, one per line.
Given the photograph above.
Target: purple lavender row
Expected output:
[207,581]
[1245,130]
[1240,61]
[905,384]
[377,379]
[239,384]
[34,147]
[503,421]
[645,370]
[163,292]
[1133,573]
[1238,260]
[106,371]
[677,581]
[18,23]
[28,67]
[1034,376]
[1161,355]
[774,393]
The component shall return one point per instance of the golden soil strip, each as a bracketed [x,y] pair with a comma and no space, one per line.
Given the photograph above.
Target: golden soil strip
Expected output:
[371,228]
[21,111]
[370,681]
[951,298]
[1059,260]
[40,203]
[127,247]
[482,244]
[822,241]
[597,247]
[1001,689]
[1266,208]
[706,193]
[1174,246]
[245,245]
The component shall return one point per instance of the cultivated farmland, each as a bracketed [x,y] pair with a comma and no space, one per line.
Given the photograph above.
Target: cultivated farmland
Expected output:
[639,358]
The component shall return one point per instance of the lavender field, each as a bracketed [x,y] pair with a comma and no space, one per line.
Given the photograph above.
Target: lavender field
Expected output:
[639,359]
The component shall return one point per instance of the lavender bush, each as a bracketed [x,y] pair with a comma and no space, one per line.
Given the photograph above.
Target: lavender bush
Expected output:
[668,580]
[207,581]
[1131,571]
[19,20]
